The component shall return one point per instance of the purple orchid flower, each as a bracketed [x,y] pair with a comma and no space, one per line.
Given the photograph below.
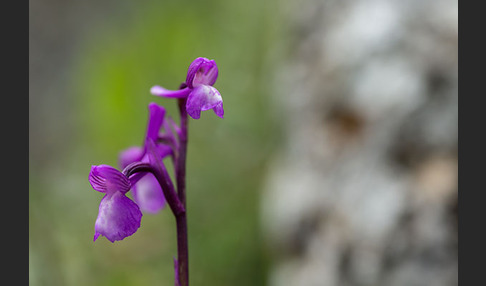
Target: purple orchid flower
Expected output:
[118,216]
[199,90]
[144,172]
[147,192]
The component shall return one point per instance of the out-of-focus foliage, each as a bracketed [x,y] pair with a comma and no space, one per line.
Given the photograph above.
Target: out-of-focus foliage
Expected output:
[109,83]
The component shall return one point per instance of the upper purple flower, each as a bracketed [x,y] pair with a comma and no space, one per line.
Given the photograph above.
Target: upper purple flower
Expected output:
[199,90]
[118,216]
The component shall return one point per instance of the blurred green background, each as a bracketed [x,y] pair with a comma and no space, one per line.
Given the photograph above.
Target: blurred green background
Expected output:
[91,68]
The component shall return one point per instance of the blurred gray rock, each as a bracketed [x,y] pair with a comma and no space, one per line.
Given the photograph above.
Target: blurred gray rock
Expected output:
[364,189]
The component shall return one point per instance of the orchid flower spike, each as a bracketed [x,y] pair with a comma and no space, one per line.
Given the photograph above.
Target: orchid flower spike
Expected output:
[118,216]
[199,90]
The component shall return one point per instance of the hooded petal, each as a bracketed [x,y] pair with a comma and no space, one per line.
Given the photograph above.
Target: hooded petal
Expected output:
[130,155]
[148,194]
[106,179]
[201,71]
[204,97]
[160,91]
[118,217]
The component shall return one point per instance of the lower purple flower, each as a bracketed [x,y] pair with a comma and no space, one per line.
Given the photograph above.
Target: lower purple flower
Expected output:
[118,216]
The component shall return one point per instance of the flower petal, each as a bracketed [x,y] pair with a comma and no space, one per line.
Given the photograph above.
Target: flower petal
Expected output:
[201,71]
[148,194]
[156,117]
[106,179]
[155,122]
[130,155]
[118,217]
[204,97]
[160,91]
[218,110]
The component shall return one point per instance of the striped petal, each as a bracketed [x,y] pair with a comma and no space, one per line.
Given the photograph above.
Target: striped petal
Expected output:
[106,179]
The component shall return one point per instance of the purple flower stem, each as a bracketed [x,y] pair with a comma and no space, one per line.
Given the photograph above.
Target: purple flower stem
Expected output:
[176,201]
[181,219]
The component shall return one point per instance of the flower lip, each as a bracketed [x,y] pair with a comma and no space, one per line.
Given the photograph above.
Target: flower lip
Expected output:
[118,217]
[204,97]
[202,71]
